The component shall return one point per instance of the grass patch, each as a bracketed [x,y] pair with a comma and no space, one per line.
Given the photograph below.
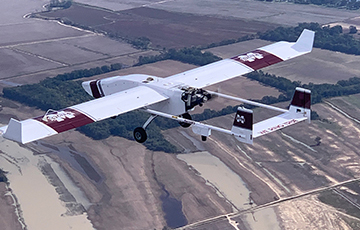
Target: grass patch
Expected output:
[328,125]
[353,100]
[354,224]
[332,198]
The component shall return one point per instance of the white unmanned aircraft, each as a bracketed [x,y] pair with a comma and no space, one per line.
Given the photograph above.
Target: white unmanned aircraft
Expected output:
[173,97]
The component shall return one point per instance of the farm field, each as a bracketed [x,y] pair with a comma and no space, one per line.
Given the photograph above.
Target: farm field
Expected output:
[163,28]
[288,163]
[349,105]
[270,12]
[32,49]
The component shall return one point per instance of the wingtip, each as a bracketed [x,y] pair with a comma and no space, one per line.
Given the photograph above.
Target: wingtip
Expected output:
[13,131]
[3,130]
[305,41]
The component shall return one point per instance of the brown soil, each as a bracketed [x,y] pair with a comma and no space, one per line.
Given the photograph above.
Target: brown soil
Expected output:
[163,28]
[8,218]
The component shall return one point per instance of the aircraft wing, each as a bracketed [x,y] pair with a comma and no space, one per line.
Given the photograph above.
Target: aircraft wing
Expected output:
[245,63]
[54,122]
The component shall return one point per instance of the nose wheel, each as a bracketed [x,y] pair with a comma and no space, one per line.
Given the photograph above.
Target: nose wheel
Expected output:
[140,134]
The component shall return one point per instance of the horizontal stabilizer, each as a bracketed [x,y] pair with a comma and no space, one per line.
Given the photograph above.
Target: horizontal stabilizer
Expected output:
[275,123]
[299,110]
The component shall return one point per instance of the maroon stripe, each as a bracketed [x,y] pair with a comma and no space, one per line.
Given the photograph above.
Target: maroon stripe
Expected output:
[94,89]
[257,59]
[301,99]
[64,120]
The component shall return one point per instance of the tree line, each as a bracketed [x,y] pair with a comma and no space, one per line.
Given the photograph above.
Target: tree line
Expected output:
[318,91]
[326,37]
[191,55]
[60,3]
[57,92]
[343,4]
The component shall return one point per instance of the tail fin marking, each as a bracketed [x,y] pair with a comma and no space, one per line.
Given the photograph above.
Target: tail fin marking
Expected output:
[301,103]
[243,125]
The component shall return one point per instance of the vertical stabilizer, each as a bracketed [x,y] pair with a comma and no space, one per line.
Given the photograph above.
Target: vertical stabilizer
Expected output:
[14,131]
[242,127]
[301,102]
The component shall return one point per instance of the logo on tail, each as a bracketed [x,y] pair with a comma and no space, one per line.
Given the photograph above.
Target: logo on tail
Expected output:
[240,119]
[244,118]
[242,128]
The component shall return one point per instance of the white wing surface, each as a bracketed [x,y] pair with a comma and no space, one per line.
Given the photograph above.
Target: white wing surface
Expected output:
[246,63]
[54,122]
[275,123]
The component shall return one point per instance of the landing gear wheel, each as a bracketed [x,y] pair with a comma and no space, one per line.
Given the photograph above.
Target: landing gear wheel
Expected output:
[184,124]
[140,134]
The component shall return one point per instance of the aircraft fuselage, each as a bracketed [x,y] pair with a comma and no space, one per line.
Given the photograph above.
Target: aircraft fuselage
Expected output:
[181,97]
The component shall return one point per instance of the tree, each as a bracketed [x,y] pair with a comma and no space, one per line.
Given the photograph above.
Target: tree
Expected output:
[60,3]
[353,30]
[2,176]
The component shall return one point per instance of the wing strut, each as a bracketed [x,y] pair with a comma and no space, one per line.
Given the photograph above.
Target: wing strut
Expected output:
[243,128]
[248,102]
[205,130]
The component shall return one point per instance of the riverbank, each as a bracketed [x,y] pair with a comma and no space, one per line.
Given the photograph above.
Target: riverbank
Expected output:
[37,183]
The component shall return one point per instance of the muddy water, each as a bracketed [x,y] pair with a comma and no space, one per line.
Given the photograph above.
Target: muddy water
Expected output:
[77,160]
[264,219]
[230,186]
[217,174]
[39,202]
[172,208]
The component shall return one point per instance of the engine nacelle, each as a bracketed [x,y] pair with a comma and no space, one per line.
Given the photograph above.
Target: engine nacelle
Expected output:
[193,97]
